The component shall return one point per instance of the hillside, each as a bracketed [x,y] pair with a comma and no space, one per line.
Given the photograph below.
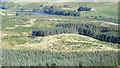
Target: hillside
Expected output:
[66,42]
[62,50]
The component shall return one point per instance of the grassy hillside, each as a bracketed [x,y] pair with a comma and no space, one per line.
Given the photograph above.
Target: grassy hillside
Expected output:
[16,29]
[62,42]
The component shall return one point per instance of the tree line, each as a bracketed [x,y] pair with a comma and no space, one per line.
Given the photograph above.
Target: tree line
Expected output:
[52,31]
[54,10]
[107,34]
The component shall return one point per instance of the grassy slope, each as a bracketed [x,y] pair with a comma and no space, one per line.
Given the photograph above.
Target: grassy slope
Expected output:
[19,26]
[64,42]
[62,50]
[22,26]
[103,9]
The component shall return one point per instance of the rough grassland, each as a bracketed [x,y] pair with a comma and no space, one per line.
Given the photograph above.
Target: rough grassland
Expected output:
[63,42]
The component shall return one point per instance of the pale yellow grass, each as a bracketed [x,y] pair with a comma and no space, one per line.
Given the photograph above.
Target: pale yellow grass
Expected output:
[54,43]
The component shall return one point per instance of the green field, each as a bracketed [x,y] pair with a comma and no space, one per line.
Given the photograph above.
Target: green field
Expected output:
[3,10]
[109,9]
